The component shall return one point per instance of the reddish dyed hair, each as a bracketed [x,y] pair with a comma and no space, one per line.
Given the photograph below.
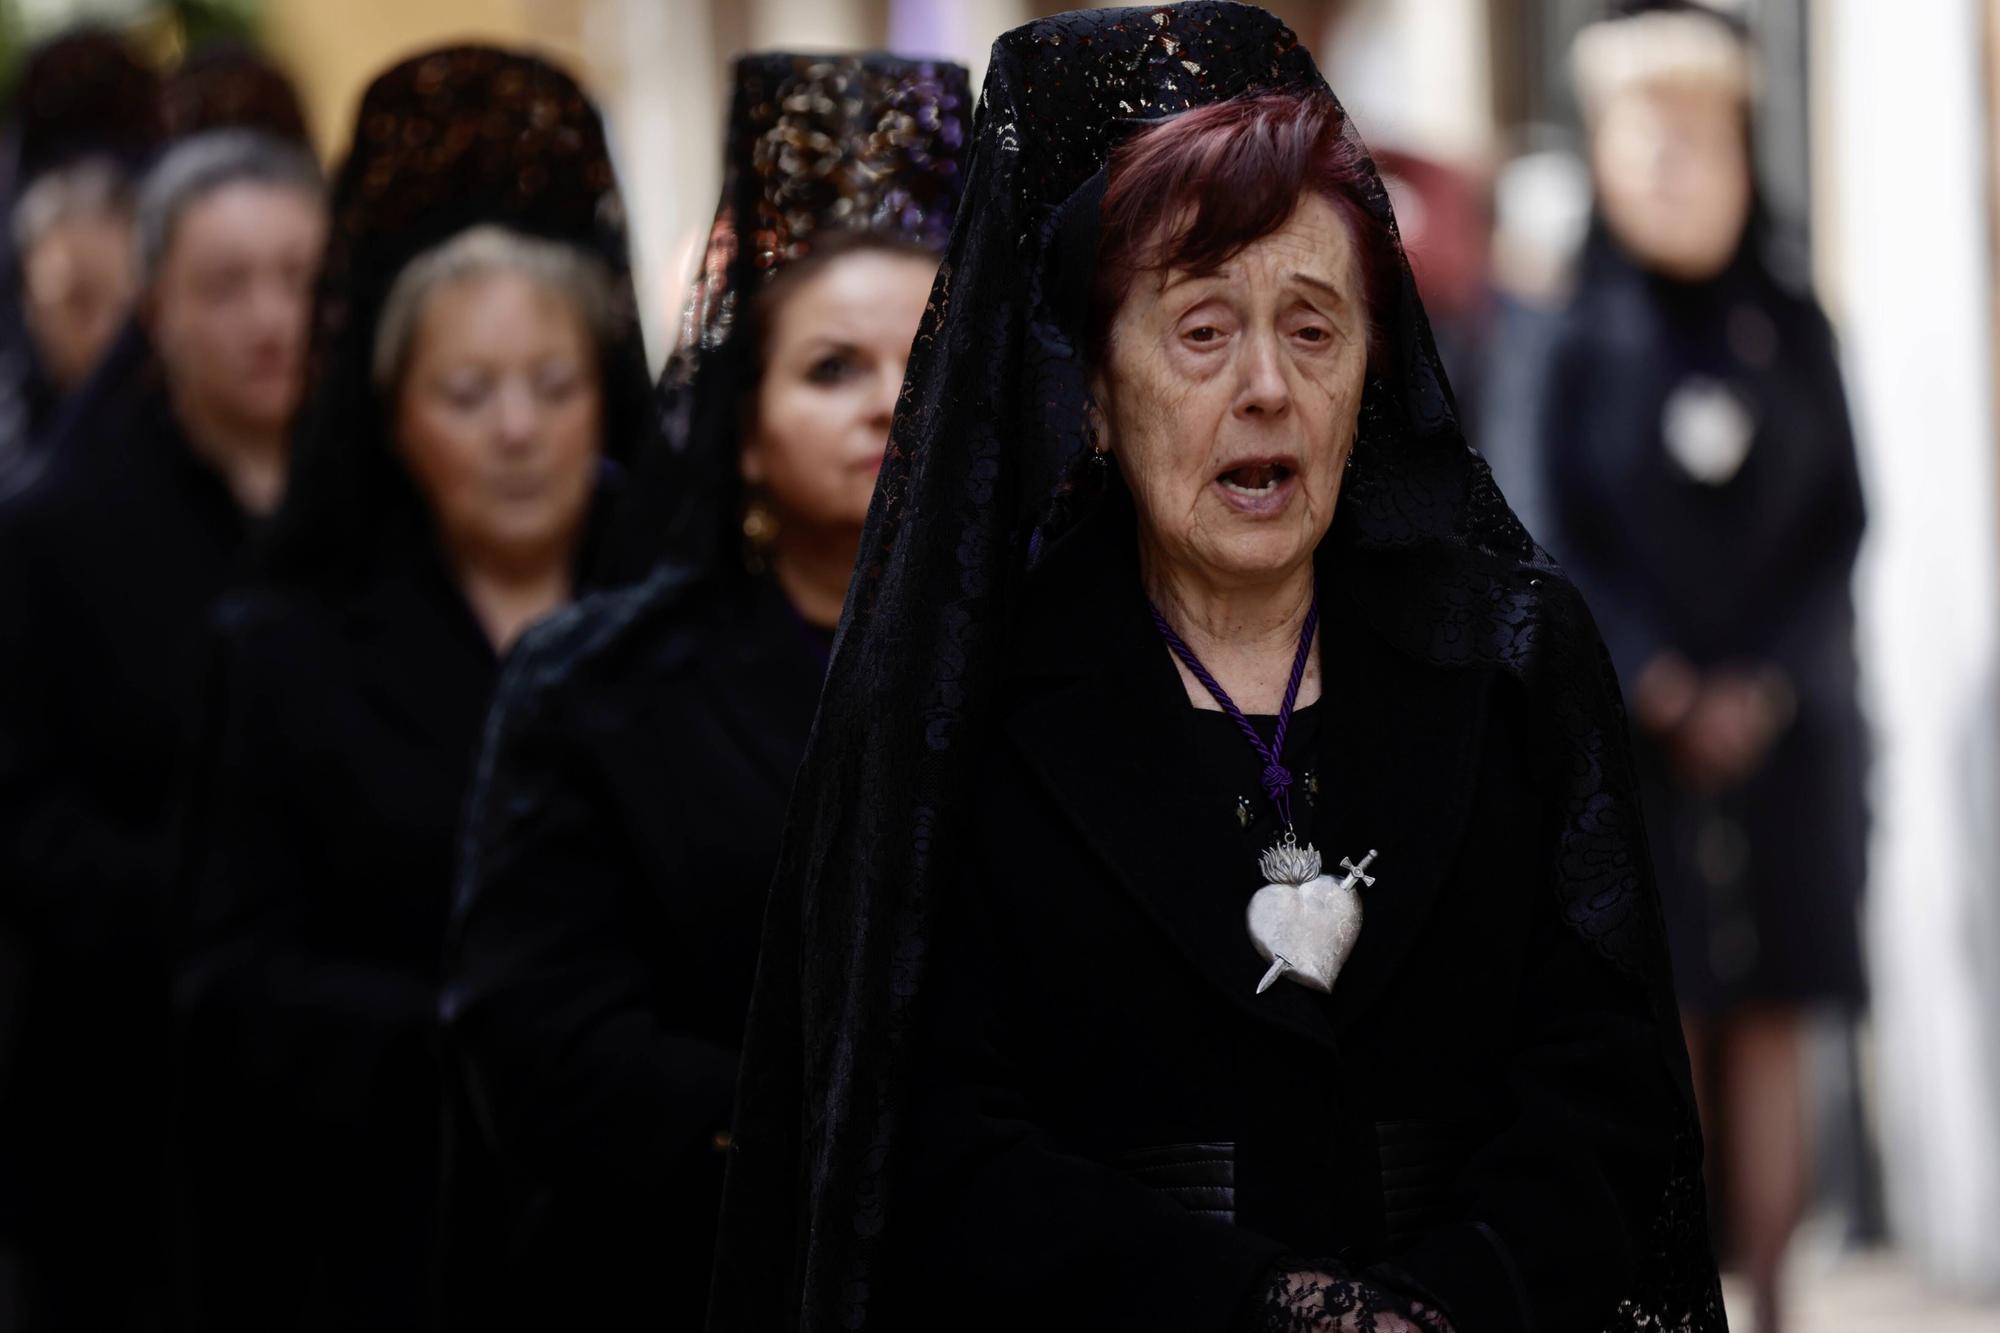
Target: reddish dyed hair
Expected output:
[1224,175]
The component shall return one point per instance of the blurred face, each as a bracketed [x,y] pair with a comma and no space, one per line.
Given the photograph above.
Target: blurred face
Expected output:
[500,418]
[1673,176]
[230,307]
[1230,401]
[80,279]
[833,364]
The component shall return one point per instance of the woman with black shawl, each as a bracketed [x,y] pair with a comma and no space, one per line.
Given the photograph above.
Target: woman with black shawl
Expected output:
[142,511]
[625,824]
[85,121]
[1706,494]
[1014,1058]
[477,377]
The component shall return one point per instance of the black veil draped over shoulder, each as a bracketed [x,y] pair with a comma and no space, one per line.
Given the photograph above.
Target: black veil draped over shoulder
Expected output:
[988,467]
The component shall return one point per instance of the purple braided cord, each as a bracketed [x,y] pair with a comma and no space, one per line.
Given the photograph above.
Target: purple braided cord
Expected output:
[1277,778]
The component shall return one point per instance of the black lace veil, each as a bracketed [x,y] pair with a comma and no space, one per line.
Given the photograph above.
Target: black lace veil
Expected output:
[988,464]
[445,141]
[231,87]
[817,146]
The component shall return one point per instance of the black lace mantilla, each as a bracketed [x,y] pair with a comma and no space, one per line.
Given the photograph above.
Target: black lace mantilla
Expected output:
[987,462]
[450,139]
[827,143]
[816,145]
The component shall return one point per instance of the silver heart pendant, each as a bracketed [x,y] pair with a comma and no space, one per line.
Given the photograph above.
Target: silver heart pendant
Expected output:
[1308,929]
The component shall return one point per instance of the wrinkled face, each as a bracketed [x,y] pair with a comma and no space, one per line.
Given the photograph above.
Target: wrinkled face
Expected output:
[1230,400]
[833,364]
[80,277]
[230,307]
[499,419]
[1673,176]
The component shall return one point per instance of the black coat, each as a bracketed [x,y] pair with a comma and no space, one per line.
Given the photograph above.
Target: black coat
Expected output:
[320,862]
[38,422]
[1761,883]
[1112,1125]
[109,565]
[621,842]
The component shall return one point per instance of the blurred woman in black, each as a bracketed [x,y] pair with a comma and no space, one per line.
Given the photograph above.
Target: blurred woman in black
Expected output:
[1706,494]
[162,471]
[85,121]
[478,377]
[626,820]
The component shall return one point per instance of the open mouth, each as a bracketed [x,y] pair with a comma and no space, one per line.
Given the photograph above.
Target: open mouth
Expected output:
[1255,479]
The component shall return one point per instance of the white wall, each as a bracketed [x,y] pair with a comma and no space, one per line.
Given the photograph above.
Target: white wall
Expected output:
[1416,74]
[654,62]
[1902,208]
[961,30]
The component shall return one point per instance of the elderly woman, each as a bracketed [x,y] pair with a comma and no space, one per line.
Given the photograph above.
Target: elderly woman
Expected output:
[1214,898]
[622,835]
[478,371]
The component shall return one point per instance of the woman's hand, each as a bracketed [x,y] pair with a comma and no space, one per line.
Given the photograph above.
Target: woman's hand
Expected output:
[1665,693]
[1727,734]
[1718,725]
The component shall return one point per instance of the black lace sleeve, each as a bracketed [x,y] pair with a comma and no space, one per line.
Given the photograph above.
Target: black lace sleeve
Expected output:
[1301,1296]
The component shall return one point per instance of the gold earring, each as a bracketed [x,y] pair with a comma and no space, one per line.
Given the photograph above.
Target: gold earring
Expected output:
[761,527]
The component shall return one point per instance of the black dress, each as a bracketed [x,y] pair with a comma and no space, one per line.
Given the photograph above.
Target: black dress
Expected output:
[619,845]
[320,867]
[109,565]
[1479,1104]
[1744,568]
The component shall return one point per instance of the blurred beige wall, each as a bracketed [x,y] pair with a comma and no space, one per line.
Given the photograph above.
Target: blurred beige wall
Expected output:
[335,49]
[658,68]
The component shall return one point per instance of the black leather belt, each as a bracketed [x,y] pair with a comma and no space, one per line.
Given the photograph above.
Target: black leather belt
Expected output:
[1200,1177]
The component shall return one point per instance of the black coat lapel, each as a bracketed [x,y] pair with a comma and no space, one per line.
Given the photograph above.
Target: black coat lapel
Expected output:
[1098,714]
[1116,768]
